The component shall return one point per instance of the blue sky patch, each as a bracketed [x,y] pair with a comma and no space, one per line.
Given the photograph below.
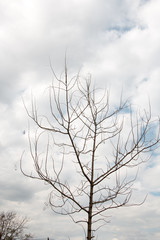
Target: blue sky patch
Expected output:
[156,194]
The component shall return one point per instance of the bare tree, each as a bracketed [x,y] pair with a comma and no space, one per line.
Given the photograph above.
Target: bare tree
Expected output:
[90,145]
[12,226]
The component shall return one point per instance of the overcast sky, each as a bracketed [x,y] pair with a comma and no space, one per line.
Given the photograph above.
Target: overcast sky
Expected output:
[118,42]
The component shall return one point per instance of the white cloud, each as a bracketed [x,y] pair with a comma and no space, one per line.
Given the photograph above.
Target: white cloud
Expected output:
[118,43]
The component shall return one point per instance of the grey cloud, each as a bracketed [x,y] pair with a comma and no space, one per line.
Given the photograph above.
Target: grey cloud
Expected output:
[106,39]
[28,39]
[15,191]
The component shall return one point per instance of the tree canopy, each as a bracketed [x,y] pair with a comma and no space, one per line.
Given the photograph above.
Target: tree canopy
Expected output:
[12,226]
[89,145]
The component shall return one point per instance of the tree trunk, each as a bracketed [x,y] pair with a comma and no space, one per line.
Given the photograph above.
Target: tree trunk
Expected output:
[89,227]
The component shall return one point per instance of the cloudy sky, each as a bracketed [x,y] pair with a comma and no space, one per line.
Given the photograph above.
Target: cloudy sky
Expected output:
[118,42]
